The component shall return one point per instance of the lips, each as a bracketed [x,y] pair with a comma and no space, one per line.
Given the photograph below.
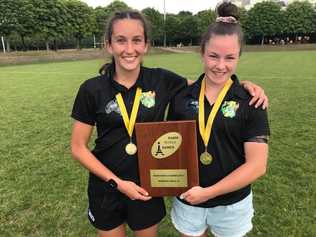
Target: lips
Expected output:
[129,59]
[219,73]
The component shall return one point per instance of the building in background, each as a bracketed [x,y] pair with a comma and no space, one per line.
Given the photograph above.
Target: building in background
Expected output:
[247,4]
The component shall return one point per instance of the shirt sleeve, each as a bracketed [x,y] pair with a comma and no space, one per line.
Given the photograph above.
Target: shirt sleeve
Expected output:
[84,106]
[175,83]
[256,124]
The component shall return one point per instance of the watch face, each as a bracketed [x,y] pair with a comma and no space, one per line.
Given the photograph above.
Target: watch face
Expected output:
[112,183]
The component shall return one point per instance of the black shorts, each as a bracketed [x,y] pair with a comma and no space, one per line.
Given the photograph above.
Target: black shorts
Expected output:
[111,208]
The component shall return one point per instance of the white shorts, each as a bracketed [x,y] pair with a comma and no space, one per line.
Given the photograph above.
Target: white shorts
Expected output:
[224,221]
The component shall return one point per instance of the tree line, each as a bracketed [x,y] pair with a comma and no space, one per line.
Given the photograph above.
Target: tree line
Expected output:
[53,24]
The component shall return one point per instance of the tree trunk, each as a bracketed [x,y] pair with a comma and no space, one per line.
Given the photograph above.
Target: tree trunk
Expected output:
[47,46]
[79,47]
[8,46]
[23,43]
[55,45]
[262,40]
[78,43]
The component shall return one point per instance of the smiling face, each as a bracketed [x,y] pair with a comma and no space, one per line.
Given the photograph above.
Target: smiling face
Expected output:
[128,44]
[220,58]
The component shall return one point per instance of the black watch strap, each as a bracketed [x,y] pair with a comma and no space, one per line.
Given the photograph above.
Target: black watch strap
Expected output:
[112,183]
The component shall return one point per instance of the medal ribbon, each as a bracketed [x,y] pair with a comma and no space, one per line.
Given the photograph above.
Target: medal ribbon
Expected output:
[206,132]
[129,123]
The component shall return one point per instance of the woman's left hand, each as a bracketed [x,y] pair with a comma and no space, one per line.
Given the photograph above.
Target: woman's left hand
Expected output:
[257,93]
[195,195]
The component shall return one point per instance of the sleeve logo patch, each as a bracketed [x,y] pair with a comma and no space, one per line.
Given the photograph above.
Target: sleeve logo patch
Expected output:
[193,105]
[229,109]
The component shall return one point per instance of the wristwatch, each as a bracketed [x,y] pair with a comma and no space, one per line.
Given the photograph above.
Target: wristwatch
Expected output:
[112,183]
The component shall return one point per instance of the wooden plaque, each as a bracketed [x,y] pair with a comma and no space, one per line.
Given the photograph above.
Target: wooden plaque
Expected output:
[167,157]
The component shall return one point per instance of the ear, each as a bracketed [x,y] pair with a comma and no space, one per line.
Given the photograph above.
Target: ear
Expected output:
[202,56]
[147,45]
[109,47]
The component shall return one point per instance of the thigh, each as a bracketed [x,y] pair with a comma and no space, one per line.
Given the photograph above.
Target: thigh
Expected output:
[144,214]
[116,232]
[188,220]
[148,232]
[232,220]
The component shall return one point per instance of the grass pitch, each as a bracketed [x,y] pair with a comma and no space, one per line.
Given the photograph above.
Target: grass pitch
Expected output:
[43,191]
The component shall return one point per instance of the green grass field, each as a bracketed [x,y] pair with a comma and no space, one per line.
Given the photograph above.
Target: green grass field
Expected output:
[43,191]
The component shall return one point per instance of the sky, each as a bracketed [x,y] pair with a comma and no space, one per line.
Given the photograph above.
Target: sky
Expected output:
[172,6]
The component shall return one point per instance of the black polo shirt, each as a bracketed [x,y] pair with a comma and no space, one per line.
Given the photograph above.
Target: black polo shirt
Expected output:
[96,104]
[234,124]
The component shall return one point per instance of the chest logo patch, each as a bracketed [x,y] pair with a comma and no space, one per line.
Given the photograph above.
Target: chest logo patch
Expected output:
[229,109]
[148,99]
[112,106]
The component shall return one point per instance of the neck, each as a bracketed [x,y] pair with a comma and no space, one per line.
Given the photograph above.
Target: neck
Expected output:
[212,90]
[126,78]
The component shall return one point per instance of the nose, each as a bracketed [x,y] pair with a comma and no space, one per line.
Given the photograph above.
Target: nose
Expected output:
[220,64]
[129,47]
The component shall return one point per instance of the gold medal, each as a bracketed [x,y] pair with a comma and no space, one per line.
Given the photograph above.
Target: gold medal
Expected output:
[131,148]
[205,131]
[206,158]
[129,123]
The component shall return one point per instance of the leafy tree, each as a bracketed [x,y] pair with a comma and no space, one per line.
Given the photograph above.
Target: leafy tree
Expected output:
[188,28]
[8,19]
[102,15]
[172,27]
[51,20]
[17,17]
[156,23]
[263,20]
[184,13]
[299,17]
[204,19]
[116,6]
[243,14]
[26,20]
[82,20]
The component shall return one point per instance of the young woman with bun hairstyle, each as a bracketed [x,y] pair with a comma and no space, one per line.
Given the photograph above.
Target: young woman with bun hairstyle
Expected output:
[232,138]
[125,93]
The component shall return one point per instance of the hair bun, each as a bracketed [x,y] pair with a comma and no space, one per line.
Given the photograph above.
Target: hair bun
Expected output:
[226,9]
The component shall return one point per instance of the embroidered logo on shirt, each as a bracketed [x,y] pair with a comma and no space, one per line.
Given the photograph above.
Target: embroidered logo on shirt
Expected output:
[193,105]
[112,106]
[148,99]
[229,109]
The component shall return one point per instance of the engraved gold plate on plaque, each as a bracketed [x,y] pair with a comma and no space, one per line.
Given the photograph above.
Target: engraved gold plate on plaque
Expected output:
[168,178]
[166,145]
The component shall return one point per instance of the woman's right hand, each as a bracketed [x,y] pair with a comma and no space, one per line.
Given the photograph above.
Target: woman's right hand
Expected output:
[133,191]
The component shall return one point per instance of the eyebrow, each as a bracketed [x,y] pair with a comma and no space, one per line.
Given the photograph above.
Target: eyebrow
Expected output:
[232,54]
[123,36]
